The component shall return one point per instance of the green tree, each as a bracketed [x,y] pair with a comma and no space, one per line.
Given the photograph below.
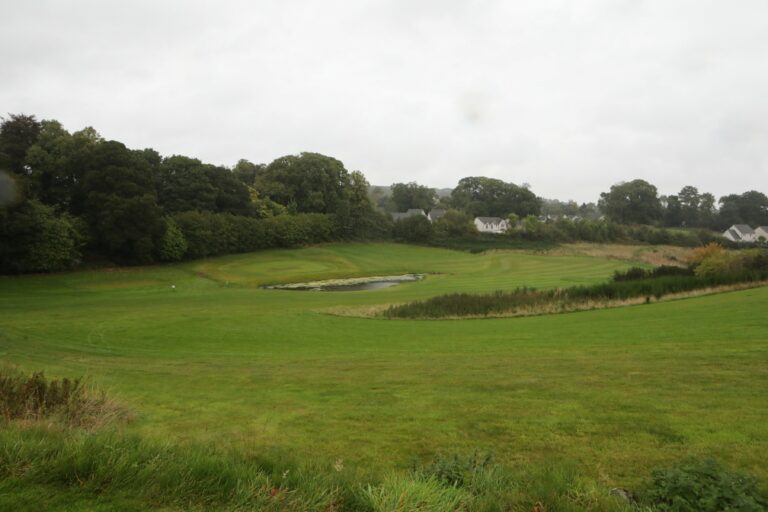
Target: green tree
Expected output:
[748,208]
[246,171]
[634,202]
[707,210]
[355,215]
[183,185]
[690,201]
[57,163]
[490,197]
[121,204]
[173,245]
[17,134]
[306,183]
[34,238]
[231,194]
[412,195]
[455,224]
[413,229]
[673,212]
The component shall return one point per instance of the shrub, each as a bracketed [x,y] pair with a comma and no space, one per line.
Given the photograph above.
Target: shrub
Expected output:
[413,229]
[455,470]
[703,486]
[173,245]
[701,253]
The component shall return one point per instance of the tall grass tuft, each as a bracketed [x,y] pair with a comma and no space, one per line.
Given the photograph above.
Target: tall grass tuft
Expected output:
[36,397]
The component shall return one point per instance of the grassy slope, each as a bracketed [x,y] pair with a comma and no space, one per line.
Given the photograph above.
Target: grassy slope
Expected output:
[618,391]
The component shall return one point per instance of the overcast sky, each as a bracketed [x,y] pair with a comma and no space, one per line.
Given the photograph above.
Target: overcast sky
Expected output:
[569,96]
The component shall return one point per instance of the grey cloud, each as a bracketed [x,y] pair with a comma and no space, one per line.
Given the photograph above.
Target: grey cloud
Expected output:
[568,96]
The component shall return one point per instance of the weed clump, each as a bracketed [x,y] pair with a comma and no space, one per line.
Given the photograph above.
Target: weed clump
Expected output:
[35,397]
[703,486]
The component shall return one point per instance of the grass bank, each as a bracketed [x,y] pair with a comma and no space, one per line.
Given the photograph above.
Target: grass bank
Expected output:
[219,361]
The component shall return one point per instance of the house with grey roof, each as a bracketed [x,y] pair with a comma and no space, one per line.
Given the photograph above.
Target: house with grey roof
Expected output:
[761,234]
[495,225]
[740,233]
[413,212]
[435,213]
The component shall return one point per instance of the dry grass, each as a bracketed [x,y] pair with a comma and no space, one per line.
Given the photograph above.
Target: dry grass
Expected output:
[650,254]
[35,399]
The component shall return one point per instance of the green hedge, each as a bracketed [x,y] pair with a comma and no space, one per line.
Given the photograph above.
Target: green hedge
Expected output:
[212,234]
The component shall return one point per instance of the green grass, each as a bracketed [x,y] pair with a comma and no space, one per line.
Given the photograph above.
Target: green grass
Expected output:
[614,392]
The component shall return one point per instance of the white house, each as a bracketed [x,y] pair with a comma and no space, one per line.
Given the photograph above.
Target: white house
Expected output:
[761,233]
[740,233]
[491,225]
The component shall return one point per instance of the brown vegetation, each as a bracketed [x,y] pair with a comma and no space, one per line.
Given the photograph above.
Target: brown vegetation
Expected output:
[34,398]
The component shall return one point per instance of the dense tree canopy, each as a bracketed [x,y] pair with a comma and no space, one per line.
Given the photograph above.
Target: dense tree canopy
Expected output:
[490,197]
[747,208]
[121,204]
[17,134]
[634,202]
[412,195]
[57,163]
[306,183]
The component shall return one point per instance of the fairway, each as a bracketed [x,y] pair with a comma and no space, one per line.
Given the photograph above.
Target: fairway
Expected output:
[200,353]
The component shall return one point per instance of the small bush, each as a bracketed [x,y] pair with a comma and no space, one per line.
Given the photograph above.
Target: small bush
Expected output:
[703,486]
[401,493]
[456,470]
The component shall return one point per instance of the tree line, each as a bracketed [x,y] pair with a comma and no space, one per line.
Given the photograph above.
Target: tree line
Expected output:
[72,197]
[633,202]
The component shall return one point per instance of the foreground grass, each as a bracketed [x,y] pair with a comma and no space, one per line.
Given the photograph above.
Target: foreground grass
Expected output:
[67,470]
[614,393]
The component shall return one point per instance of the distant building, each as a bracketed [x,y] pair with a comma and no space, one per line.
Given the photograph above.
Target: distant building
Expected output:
[761,234]
[740,233]
[413,212]
[435,213]
[491,225]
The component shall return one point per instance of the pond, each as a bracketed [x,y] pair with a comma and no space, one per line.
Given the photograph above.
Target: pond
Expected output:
[354,284]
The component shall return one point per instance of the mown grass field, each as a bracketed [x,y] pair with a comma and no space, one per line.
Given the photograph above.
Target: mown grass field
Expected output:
[217,359]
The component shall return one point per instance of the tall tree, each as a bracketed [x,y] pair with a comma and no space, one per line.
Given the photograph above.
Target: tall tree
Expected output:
[412,195]
[17,134]
[673,211]
[689,206]
[231,194]
[57,163]
[707,210]
[305,183]
[121,204]
[481,196]
[748,208]
[634,202]
[183,185]
[246,171]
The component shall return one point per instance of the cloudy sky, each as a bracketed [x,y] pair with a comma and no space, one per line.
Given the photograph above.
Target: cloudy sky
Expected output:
[568,96]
